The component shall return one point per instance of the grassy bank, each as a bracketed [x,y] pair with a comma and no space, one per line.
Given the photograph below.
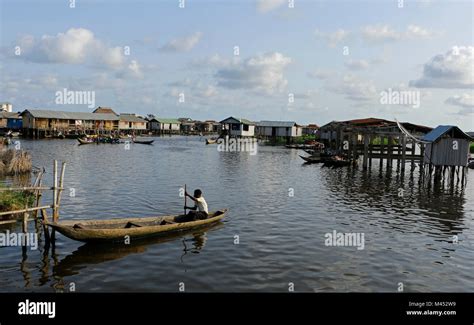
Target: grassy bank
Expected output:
[471,149]
[14,200]
[16,163]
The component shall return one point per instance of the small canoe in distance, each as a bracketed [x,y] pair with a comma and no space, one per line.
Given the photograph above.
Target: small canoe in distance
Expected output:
[116,230]
[336,162]
[86,140]
[311,159]
[211,141]
[471,164]
[143,141]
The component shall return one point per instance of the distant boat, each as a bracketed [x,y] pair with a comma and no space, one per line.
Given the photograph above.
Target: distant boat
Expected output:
[336,161]
[143,141]
[12,134]
[86,140]
[471,164]
[118,229]
[211,141]
[311,159]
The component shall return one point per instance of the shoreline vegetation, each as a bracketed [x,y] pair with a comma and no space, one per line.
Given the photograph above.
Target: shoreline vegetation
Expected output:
[14,163]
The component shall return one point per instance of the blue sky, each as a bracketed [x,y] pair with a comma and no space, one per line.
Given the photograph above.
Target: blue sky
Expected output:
[424,48]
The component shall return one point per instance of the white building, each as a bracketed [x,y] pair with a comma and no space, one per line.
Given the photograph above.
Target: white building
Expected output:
[238,127]
[279,129]
[164,125]
[6,107]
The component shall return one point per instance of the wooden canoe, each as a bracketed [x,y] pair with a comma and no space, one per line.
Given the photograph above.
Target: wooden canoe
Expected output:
[311,159]
[84,141]
[471,164]
[118,229]
[143,141]
[211,141]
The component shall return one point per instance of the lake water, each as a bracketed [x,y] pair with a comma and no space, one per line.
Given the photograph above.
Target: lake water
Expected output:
[280,210]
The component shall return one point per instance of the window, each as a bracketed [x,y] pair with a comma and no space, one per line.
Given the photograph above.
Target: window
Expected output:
[235,127]
[246,127]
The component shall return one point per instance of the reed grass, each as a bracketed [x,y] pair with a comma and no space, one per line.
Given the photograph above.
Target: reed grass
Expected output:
[15,162]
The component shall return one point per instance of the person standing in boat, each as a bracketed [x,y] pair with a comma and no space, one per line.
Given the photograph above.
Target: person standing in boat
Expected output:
[199,211]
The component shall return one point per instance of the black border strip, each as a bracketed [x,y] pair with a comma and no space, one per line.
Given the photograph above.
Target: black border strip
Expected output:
[240,306]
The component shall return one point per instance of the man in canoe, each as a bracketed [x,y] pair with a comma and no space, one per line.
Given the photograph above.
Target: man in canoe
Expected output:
[199,211]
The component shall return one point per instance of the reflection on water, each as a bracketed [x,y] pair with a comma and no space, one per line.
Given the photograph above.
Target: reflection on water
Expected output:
[90,254]
[416,233]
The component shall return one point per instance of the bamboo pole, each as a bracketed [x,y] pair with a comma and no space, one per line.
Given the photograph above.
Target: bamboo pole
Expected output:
[55,190]
[37,192]
[61,183]
[38,195]
[25,210]
[25,220]
[31,188]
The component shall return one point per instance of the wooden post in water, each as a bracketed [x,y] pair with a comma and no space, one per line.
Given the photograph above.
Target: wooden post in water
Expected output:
[366,150]
[370,151]
[404,151]
[389,152]
[55,190]
[60,190]
[354,147]
[381,150]
[25,220]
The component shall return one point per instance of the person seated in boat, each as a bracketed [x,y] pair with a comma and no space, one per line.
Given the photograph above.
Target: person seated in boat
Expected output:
[199,211]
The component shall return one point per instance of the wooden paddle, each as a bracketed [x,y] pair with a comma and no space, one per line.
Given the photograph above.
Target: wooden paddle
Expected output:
[185,199]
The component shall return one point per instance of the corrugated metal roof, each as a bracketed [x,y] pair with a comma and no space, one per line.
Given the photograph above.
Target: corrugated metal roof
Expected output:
[106,110]
[439,131]
[10,115]
[131,118]
[277,124]
[166,120]
[62,115]
[241,120]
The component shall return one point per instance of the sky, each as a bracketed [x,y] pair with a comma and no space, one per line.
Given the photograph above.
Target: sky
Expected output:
[297,60]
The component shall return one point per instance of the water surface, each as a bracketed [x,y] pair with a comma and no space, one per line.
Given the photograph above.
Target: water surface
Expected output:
[408,239]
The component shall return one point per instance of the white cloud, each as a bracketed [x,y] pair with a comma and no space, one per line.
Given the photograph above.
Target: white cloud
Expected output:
[384,33]
[414,31]
[333,38]
[209,91]
[357,64]
[450,70]
[182,83]
[214,61]
[319,74]
[353,88]
[263,72]
[379,33]
[132,70]
[465,101]
[76,46]
[269,5]
[183,44]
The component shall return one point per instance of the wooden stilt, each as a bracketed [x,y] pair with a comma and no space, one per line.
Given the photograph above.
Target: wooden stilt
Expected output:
[389,152]
[55,191]
[404,152]
[382,141]
[366,150]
